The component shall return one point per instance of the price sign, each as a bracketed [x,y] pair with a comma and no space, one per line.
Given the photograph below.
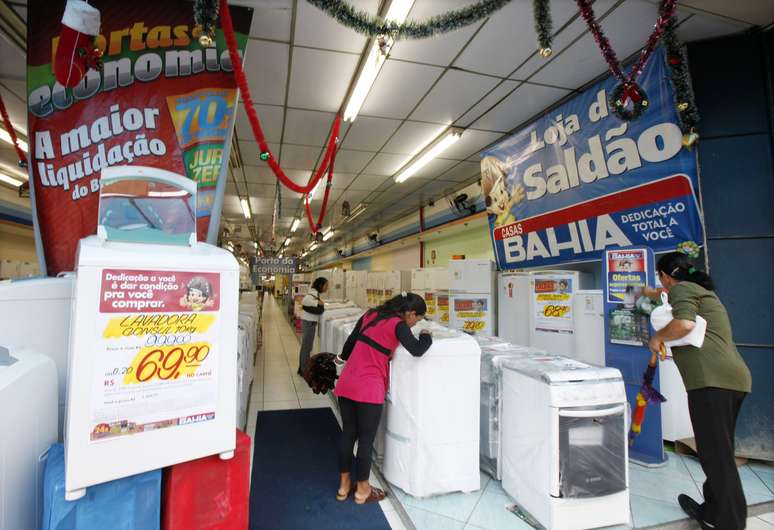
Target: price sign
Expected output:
[158,361]
[552,297]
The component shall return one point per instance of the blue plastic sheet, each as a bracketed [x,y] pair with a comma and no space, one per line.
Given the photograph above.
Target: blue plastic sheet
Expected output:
[131,503]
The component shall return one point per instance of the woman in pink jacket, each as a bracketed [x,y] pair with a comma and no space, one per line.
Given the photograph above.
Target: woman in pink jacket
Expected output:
[364,382]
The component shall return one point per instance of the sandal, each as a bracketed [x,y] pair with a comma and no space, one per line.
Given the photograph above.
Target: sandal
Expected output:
[342,498]
[376,495]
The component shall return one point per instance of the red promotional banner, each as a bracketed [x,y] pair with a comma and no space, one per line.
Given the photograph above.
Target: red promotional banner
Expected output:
[160,100]
[140,291]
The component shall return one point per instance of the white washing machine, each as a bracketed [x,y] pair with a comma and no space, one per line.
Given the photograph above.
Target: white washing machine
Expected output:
[36,315]
[432,416]
[564,442]
[28,415]
[332,314]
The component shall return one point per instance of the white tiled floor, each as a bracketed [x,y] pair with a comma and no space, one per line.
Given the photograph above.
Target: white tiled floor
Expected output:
[277,386]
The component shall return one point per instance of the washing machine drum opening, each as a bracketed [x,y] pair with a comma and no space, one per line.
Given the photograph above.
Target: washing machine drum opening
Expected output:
[592,456]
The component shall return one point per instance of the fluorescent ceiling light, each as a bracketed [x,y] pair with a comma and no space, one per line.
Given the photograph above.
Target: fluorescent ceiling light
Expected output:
[245,208]
[255,244]
[327,230]
[10,180]
[329,235]
[439,147]
[280,255]
[313,247]
[398,11]
[296,223]
[287,242]
[6,137]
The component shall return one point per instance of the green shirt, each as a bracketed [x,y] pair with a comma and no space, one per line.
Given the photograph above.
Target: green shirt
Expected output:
[717,363]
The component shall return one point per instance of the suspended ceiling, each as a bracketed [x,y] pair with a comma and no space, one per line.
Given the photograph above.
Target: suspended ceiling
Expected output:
[486,78]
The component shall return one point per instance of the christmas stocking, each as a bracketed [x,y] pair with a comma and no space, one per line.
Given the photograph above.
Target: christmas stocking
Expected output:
[76,52]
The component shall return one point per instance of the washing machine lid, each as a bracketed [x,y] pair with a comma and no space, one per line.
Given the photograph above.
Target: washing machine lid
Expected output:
[555,369]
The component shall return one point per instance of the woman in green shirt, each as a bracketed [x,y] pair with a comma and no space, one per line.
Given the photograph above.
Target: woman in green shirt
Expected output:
[717,380]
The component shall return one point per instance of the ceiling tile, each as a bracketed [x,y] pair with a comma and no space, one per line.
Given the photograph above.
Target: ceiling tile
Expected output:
[352,161]
[266,191]
[440,50]
[306,127]
[354,197]
[299,157]
[508,38]
[271,19]
[271,118]
[471,142]
[317,30]
[452,96]
[367,182]
[266,68]
[525,102]
[412,137]
[343,180]
[369,134]
[706,26]
[399,88]
[319,79]
[259,175]
[386,164]
[462,172]
[493,98]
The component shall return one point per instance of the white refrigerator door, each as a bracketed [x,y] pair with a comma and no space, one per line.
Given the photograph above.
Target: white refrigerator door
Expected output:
[471,276]
[514,300]
[589,318]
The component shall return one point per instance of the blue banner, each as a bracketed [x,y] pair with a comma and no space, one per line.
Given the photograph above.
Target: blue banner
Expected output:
[580,180]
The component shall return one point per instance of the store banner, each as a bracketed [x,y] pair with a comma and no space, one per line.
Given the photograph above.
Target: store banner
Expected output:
[159,332]
[160,100]
[579,180]
[273,266]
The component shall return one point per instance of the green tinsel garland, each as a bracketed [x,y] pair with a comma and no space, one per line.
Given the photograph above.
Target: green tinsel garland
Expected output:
[681,78]
[206,17]
[543,26]
[372,26]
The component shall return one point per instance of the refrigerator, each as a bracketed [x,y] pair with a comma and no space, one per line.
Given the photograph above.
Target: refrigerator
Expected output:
[588,308]
[437,283]
[395,283]
[552,316]
[472,296]
[335,279]
[513,307]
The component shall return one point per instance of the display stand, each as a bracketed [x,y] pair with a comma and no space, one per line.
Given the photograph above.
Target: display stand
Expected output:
[153,347]
[626,271]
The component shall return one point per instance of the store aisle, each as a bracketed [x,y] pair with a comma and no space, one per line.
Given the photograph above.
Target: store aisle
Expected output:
[277,386]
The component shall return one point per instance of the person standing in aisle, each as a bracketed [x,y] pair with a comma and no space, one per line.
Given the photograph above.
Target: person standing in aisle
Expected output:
[363,384]
[311,309]
[717,380]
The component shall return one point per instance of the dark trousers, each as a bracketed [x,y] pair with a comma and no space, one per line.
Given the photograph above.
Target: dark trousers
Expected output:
[308,330]
[360,422]
[713,416]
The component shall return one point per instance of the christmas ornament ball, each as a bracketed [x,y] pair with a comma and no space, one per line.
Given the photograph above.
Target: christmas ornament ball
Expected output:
[546,52]
[682,106]
[205,40]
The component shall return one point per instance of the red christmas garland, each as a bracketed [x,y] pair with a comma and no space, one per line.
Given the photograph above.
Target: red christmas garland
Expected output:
[255,124]
[12,133]
[328,186]
[629,87]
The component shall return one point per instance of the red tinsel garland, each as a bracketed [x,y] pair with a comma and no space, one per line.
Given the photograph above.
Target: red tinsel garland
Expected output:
[255,124]
[666,10]
[12,133]
[328,186]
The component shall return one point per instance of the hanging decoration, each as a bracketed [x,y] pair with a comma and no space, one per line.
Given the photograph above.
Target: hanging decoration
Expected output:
[12,132]
[255,123]
[543,26]
[689,248]
[628,89]
[205,16]
[316,228]
[372,26]
[76,52]
[685,101]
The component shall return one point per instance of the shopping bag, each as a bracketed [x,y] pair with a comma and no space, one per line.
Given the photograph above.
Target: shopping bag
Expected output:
[662,316]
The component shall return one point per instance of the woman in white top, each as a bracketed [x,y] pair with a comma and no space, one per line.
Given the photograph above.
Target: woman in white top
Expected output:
[312,308]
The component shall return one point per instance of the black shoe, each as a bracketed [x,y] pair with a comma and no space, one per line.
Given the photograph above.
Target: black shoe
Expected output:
[693,509]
